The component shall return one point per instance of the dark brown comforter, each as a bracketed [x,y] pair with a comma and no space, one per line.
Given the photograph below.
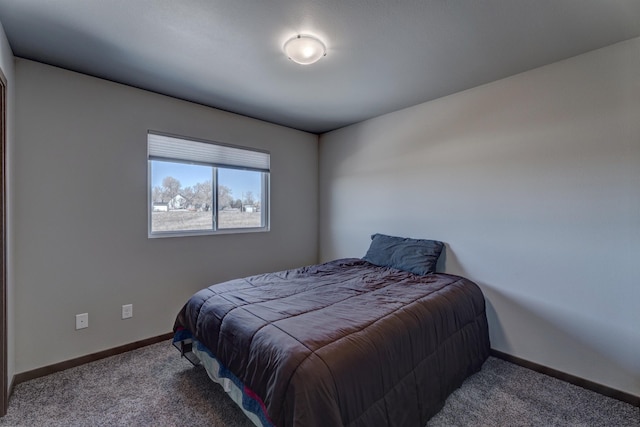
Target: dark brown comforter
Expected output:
[345,342]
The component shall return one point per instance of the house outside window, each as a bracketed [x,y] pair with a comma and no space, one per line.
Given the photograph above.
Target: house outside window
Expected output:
[202,187]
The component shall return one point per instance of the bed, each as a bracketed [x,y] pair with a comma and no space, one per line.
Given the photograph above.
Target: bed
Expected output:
[350,342]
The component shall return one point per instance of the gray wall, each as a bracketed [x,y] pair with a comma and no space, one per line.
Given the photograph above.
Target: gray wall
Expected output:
[80,171]
[533,182]
[7,67]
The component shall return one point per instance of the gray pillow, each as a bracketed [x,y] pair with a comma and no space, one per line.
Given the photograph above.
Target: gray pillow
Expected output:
[417,256]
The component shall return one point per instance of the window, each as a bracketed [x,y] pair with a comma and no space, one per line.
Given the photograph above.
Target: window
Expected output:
[201,187]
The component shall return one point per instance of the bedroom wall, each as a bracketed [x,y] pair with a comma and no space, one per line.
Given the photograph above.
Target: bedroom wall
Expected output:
[7,67]
[81,213]
[532,181]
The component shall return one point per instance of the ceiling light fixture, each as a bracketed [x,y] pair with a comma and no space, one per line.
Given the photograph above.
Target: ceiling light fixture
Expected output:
[304,49]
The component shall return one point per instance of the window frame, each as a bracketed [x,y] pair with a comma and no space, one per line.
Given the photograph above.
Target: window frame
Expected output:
[265,188]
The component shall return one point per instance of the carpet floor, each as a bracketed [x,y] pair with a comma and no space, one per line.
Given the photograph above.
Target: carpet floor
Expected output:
[153,386]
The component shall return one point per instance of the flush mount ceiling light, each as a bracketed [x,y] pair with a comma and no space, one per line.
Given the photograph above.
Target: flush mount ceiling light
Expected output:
[304,49]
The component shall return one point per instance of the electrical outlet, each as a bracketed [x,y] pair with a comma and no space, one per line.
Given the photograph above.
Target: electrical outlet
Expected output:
[127,311]
[82,321]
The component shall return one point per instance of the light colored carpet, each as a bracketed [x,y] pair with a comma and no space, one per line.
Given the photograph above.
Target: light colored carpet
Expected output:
[504,394]
[153,386]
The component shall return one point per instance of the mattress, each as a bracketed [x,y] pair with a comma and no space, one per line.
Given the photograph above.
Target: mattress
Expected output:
[344,343]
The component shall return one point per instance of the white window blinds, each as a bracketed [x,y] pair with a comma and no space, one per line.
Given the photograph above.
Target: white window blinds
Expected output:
[164,147]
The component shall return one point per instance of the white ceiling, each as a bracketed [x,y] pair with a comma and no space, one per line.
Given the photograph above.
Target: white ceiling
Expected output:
[381,55]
